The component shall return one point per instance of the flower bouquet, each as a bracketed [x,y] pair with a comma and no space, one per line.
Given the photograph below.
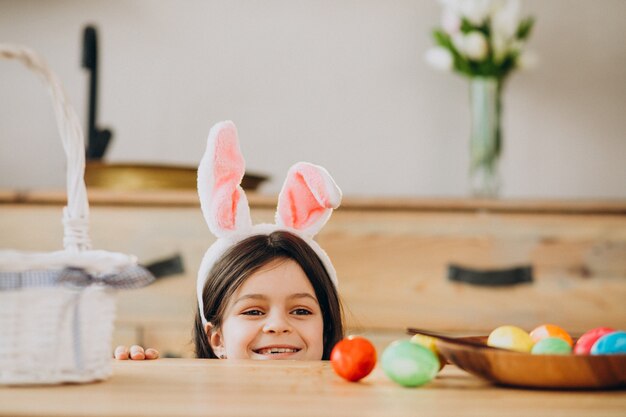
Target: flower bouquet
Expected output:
[483,40]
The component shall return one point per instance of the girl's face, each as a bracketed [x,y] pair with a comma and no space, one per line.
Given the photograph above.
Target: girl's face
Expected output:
[273,315]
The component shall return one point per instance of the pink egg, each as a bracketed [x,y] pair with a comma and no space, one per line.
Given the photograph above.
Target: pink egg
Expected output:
[586,341]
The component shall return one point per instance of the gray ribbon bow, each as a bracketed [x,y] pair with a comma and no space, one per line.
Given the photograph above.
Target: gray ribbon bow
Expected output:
[134,276]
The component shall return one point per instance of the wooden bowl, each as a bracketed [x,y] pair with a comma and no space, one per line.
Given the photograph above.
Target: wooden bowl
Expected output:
[535,371]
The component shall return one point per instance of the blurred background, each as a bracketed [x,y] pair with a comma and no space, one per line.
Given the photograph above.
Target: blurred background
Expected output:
[343,84]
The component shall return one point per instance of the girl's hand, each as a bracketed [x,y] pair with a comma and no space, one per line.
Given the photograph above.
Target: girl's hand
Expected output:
[135,353]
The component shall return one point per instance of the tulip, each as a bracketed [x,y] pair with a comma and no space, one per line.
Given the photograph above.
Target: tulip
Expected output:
[476,11]
[505,19]
[450,21]
[439,58]
[458,41]
[475,46]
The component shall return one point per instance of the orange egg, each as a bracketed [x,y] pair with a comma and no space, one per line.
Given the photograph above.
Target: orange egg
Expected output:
[550,330]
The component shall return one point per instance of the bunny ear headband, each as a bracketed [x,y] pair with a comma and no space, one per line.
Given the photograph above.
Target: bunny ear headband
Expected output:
[305,202]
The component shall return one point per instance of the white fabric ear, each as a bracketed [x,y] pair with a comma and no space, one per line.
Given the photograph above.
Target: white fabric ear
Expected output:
[307,198]
[223,201]
[305,203]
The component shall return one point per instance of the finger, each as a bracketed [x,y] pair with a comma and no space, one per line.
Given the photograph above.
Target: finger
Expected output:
[137,353]
[121,353]
[152,353]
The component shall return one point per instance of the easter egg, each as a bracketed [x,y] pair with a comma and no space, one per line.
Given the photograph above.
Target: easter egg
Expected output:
[429,342]
[511,338]
[551,346]
[610,344]
[409,364]
[353,358]
[550,330]
[426,341]
[585,342]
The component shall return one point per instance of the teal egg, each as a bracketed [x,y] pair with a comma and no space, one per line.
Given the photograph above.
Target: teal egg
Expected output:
[409,364]
[610,344]
[551,346]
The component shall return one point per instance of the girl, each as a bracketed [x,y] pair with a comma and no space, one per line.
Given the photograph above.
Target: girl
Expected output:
[266,291]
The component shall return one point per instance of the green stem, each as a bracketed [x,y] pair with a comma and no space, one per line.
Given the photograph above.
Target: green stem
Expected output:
[486,137]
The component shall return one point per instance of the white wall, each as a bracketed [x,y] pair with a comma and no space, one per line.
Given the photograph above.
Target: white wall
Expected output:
[341,83]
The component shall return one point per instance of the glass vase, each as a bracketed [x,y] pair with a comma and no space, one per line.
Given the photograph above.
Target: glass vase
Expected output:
[486,136]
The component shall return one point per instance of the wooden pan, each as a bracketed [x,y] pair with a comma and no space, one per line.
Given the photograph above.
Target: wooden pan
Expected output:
[533,371]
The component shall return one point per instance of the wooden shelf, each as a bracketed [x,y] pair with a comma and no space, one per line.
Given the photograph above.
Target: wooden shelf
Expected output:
[189,198]
[391,255]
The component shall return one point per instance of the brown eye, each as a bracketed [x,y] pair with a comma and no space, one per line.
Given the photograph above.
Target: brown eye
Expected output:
[253,313]
[301,312]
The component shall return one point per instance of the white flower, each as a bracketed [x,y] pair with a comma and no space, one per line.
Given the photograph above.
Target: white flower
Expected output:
[475,46]
[500,47]
[458,41]
[450,21]
[439,58]
[476,11]
[505,12]
[505,18]
[528,60]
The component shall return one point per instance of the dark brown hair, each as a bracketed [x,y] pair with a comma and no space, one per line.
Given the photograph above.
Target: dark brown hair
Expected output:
[243,260]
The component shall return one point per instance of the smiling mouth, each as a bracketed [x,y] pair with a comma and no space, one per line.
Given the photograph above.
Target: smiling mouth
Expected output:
[276,350]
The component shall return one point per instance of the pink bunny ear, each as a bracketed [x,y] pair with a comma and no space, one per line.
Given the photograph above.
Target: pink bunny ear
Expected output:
[307,199]
[223,201]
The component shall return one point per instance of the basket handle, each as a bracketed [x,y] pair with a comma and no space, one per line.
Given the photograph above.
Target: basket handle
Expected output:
[76,213]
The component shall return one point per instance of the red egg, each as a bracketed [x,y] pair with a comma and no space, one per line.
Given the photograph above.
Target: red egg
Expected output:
[353,358]
[586,341]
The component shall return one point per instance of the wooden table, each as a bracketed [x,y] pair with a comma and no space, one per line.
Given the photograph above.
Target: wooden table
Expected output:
[192,387]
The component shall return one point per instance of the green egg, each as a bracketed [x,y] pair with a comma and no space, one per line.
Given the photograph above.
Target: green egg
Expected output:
[409,364]
[551,346]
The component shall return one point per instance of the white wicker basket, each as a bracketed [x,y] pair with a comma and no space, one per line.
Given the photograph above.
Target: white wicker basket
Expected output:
[57,308]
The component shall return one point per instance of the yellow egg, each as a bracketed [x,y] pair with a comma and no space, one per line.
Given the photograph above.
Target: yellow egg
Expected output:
[426,341]
[511,338]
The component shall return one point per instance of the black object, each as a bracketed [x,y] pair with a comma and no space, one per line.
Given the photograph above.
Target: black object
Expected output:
[97,139]
[491,277]
[167,267]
